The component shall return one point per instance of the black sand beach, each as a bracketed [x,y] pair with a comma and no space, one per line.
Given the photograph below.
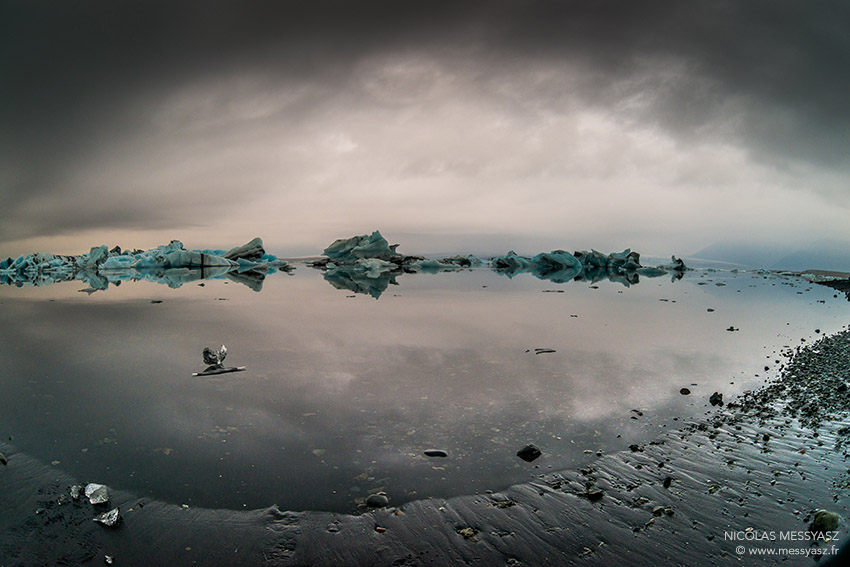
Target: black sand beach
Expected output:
[739,486]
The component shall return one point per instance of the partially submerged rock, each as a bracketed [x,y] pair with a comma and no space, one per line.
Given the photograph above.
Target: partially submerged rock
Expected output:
[215,358]
[435,453]
[824,521]
[529,453]
[378,500]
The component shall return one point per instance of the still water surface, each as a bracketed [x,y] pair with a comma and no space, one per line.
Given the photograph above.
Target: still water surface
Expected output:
[343,393]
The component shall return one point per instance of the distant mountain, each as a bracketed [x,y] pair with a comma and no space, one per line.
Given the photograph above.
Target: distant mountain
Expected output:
[744,253]
[820,255]
[823,254]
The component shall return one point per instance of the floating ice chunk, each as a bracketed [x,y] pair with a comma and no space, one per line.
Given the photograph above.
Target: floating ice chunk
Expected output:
[123,262]
[557,260]
[214,359]
[434,266]
[252,250]
[374,267]
[108,519]
[360,282]
[652,272]
[97,493]
[469,261]
[195,259]
[558,266]
[349,250]
[95,257]
[511,263]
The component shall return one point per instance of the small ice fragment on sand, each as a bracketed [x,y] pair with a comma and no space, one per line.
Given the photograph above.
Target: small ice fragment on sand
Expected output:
[108,519]
[96,493]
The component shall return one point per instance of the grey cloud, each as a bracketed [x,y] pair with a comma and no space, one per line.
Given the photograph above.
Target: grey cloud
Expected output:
[79,77]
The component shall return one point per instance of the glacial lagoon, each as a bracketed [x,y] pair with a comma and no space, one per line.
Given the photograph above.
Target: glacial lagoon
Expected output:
[343,392]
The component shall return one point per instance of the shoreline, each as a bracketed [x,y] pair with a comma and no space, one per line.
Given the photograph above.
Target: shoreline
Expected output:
[764,461]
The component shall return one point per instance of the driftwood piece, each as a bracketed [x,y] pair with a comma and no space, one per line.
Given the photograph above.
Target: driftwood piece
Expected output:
[214,371]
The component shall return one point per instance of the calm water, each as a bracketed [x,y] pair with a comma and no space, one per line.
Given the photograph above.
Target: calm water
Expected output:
[343,392]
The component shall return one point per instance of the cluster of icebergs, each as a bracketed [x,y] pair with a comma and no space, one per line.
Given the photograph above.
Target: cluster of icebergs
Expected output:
[170,264]
[365,264]
[369,264]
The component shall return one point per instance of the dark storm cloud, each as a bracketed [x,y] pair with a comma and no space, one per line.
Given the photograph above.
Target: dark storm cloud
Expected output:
[77,76]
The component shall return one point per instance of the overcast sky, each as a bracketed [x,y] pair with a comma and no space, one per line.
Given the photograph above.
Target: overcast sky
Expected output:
[450,126]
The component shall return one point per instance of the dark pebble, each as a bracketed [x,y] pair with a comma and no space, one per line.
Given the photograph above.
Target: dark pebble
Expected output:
[667,482]
[436,453]
[684,391]
[528,453]
[593,494]
[377,501]
[716,399]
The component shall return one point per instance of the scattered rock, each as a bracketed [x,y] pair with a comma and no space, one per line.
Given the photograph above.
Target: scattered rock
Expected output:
[824,521]
[685,391]
[592,494]
[378,500]
[108,559]
[667,482]
[156,301]
[716,399]
[732,328]
[436,453]
[75,491]
[468,533]
[3,459]
[528,453]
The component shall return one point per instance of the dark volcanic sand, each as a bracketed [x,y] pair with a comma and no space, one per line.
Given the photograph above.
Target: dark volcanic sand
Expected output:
[765,461]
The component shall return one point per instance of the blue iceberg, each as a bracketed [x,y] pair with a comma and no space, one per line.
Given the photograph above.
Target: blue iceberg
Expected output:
[170,264]
[560,266]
